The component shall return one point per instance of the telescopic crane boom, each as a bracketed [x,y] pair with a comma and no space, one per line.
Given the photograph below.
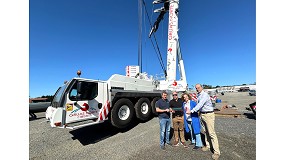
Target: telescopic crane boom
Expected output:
[173,47]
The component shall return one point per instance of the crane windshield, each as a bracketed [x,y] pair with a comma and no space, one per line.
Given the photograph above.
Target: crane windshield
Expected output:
[58,96]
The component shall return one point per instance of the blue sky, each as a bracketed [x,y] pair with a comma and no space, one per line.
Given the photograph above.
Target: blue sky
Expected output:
[42,36]
[100,38]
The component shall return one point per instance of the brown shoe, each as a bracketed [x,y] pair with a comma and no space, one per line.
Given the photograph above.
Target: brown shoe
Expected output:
[215,156]
[204,148]
[184,145]
[175,144]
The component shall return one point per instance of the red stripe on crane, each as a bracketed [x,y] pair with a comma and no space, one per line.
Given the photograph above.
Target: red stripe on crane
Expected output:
[105,114]
[108,105]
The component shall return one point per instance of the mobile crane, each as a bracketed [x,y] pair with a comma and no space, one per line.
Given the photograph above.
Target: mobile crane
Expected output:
[82,102]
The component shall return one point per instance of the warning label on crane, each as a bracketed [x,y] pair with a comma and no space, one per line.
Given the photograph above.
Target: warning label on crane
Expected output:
[69,107]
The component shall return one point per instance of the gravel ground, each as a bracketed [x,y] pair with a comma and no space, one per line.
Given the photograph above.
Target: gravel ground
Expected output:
[237,138]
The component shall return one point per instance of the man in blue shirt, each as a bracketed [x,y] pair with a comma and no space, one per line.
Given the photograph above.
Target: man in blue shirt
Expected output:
[162,108]
[207,116]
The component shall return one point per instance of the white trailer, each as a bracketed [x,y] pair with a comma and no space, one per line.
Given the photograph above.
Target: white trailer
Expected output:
[82,102]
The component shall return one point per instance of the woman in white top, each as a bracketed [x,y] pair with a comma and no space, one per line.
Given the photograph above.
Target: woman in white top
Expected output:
[192,121]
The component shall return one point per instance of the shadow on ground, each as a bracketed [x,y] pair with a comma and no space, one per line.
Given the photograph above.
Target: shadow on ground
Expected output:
[95,133]
[250,116]
[33,117]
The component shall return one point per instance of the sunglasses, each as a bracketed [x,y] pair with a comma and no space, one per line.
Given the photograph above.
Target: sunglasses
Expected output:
[174,94]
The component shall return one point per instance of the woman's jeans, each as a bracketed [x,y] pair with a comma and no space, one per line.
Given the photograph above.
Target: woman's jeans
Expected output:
[197,139]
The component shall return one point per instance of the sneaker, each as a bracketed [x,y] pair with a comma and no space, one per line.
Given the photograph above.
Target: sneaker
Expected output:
[204,148]
[215,156]
[190,144]
[162,147]
[196,148]
[184,145]
[169,144]
[176,144]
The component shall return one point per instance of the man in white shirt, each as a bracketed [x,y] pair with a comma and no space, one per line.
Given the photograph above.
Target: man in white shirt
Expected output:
[207,116]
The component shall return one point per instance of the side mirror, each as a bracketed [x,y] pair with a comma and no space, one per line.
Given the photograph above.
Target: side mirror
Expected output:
[79,91]
[79,88]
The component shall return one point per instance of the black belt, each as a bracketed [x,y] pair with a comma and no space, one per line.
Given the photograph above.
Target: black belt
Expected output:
[206,112]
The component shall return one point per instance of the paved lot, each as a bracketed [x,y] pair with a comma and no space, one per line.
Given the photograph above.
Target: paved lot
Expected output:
[237,139]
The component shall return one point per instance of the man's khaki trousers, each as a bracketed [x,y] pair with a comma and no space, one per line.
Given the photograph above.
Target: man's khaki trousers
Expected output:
[208,123]
[178,126]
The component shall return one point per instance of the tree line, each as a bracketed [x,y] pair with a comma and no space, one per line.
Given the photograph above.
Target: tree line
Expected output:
[205,86]
[49,97]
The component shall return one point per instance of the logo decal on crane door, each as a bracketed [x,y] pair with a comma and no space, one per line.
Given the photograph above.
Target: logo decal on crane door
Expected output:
[86,111]
[86,107]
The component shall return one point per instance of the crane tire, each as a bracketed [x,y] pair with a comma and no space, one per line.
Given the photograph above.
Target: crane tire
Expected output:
[153,105]
[143,109]
[122,113]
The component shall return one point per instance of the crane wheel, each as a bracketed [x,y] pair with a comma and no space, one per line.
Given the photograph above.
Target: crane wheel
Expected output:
[143,109]
[153,105]
[122,113]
